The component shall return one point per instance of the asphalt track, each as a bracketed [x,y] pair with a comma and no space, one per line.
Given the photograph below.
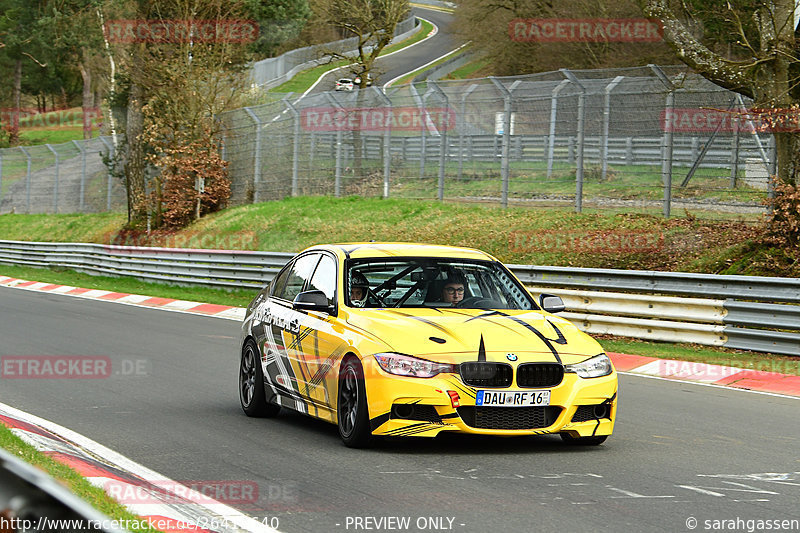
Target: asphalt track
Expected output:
[388,68]
[680,450]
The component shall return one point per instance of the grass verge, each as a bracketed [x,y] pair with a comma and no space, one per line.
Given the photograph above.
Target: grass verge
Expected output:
[73,481]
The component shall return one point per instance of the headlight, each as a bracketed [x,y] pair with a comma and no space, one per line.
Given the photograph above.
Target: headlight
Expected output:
[405,365]
[597,366]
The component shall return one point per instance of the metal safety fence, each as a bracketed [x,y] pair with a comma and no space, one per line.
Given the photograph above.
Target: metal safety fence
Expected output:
[638,138]
[70,177]
[744,312]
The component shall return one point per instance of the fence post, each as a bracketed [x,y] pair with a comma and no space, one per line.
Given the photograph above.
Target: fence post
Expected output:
[552,133]
[1,177]
[581,123]
[735,155]
[422,116]
[295,144]
[27,181]
[462,128]
[337,186]
[257,156]
[83,175]
[442,135]
[55,188]
[506,134]
[110,173]
[387,140]
[606,123]
[666,146]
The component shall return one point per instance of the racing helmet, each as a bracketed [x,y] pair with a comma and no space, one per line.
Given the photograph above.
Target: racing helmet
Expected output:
[358,281]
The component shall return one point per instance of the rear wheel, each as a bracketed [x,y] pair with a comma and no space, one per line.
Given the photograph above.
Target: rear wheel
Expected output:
[251,384]
[583,441]
[352,405]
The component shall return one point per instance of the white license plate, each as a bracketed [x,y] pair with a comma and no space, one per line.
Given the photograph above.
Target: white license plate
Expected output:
[516,398]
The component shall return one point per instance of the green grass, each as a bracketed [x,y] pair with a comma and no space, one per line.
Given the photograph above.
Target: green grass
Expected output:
[412,75]
[73,481]
[303,80]
[467,71]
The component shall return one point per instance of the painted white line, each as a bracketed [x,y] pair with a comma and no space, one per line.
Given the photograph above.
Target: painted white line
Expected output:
[110,456]
[701,384]
[451,52]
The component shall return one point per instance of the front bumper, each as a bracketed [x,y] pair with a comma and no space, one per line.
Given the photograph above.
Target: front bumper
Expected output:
[403,406]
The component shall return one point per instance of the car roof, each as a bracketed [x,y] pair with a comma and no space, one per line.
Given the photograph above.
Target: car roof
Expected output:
[359,250]
[345,80]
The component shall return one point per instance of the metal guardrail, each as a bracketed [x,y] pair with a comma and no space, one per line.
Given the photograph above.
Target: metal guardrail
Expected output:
[736,312]
[31,500]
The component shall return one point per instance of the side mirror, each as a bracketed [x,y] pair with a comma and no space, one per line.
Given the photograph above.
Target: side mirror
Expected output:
[551,303]
[312,301]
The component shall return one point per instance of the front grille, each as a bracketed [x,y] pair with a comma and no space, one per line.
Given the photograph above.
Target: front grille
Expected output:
[481,374]
[590,412]
[425,413]
[509,417]
[540,374]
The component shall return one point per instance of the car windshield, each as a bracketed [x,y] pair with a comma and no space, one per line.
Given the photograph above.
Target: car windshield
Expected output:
[434,282]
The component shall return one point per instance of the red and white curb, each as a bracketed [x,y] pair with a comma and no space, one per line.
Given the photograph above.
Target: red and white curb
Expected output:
[169,304]
[720,375]
[165,504]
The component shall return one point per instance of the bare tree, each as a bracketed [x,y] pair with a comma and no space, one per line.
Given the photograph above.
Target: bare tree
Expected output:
[373,23]
[763,63]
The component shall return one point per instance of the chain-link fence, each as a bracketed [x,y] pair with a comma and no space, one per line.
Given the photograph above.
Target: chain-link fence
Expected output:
[60,178]
[648,137]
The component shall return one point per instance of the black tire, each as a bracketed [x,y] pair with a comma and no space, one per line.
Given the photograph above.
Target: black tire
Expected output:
[583,441]
[353,414]
[251,384]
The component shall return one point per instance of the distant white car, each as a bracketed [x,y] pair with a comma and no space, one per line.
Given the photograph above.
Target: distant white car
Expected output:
[344,84]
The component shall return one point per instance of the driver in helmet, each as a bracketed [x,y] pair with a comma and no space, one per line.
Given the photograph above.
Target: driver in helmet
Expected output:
[359,289]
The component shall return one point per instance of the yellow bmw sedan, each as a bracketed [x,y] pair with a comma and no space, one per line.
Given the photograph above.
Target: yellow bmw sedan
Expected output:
[396,339]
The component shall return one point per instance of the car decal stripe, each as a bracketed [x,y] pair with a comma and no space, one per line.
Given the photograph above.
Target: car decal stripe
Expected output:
[560,340]
[423,320]
[379,420]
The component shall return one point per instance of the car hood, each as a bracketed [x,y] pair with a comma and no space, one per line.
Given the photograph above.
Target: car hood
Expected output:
[457,335]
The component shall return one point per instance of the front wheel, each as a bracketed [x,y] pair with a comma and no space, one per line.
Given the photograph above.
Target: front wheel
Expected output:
[584,441]
[352,409]
[251,384]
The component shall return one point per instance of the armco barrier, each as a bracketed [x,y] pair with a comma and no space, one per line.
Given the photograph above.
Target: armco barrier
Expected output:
[30,500]
[732,311]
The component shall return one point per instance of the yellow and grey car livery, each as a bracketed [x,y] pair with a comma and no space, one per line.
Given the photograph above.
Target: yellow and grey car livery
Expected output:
[494,366]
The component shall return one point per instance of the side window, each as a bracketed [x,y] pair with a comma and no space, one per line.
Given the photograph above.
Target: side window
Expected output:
[298,274]
[277,285]
[324,278]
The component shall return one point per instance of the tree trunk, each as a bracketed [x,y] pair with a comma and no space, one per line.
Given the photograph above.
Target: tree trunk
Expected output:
[87,96]
[13,132]
[135,160]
